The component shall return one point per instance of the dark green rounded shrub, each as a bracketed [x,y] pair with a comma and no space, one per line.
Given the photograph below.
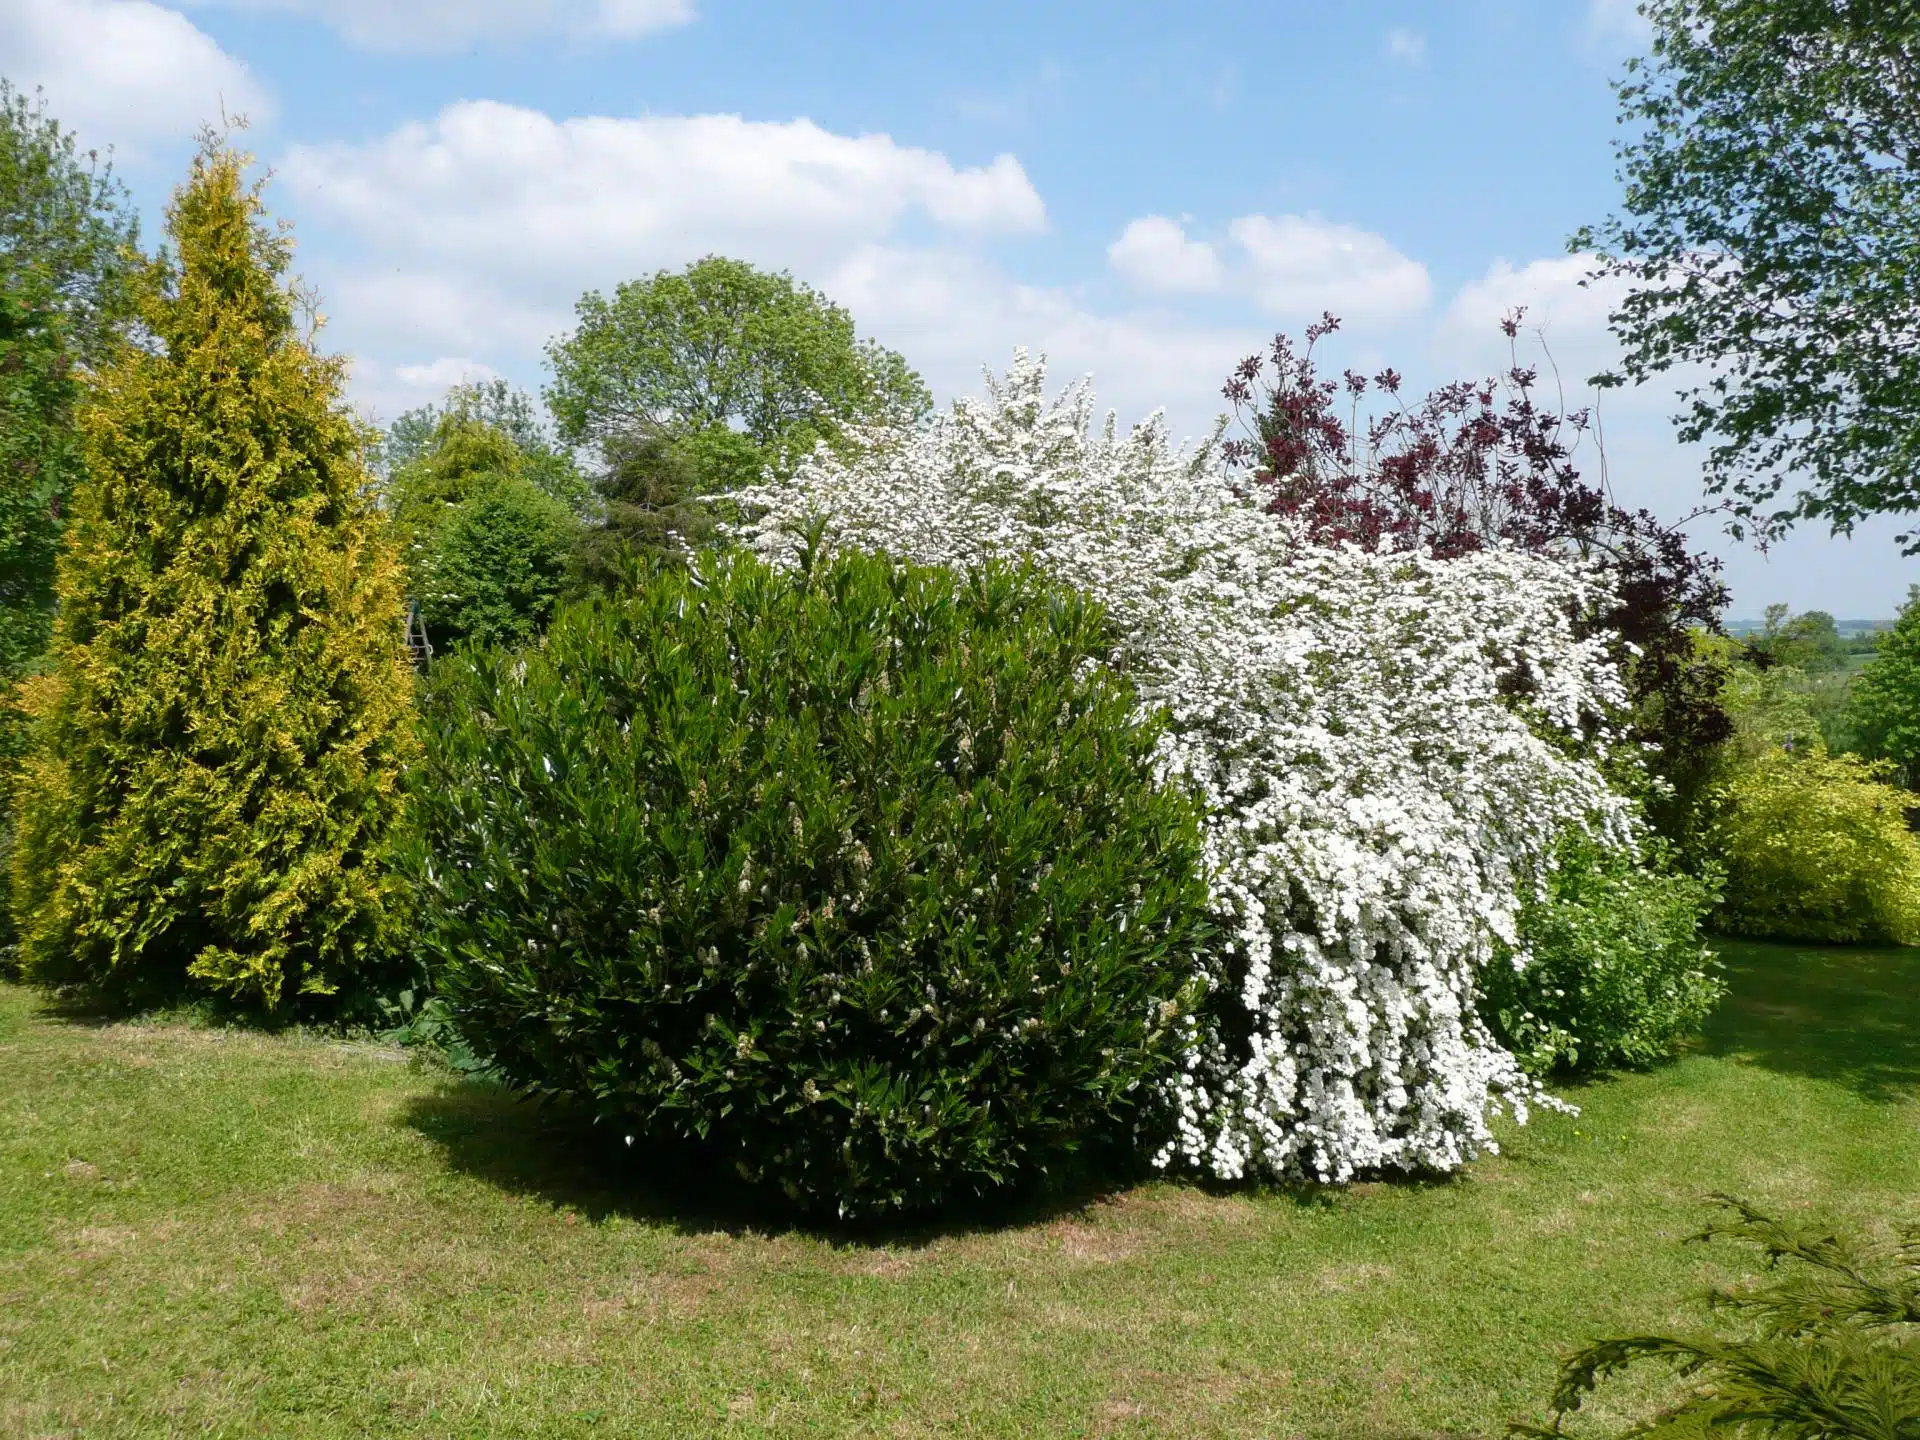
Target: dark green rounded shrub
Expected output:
[859,876]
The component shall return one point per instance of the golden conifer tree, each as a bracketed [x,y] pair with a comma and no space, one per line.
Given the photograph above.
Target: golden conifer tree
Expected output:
[215,792]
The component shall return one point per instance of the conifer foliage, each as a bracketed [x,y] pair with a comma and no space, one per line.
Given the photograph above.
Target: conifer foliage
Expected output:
[1829,1348]
[217,779]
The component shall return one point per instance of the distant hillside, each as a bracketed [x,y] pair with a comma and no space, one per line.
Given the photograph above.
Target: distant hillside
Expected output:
[1845,627]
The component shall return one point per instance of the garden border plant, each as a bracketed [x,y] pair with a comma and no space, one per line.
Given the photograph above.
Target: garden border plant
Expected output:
[861,875]
[1388,747]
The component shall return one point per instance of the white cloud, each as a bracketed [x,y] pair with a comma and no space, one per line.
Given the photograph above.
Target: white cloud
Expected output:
[124,71]
[1155,254]
[1565,334]
[1569,316]
[1302,265]
[443,374]
[1407,46]
[474,234]
[511,190]
[446,25]
[380,392]
[952,313]
[1294,266]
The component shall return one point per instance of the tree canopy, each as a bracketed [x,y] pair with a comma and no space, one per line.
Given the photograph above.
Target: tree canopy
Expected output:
[1809,641]
[718,348]
[65,222]
[1771,233]
[510,411]
[66,243]
[487,543]
[1885,707]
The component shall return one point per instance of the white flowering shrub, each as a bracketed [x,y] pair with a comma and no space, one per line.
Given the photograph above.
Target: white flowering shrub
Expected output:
[1387,746]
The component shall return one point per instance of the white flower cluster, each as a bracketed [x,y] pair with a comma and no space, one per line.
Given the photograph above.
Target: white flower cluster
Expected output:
[1377,795]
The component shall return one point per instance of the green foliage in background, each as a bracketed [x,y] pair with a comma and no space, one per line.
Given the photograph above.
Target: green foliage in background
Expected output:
[1776,710]
[1791,680]
[67,238]
[723,346]
[488,550]
[1810,641]
[658,498]
[498,565]
[1884,711]
[1618,974]
[463,454]
[1815,846]
[693,383]
[539,457]
[215,786]
[1828,1349]
[861,876]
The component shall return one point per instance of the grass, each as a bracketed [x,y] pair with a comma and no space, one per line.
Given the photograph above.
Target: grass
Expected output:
[220,1233]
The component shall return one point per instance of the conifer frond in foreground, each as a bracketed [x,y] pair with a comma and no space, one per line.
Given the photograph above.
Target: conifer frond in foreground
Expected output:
[1829,1351]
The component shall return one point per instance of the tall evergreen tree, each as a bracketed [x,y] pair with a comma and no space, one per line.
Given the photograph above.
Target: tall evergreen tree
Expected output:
[215,788]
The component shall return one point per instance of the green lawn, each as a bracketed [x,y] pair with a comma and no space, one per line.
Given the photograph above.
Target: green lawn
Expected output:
[214,1232]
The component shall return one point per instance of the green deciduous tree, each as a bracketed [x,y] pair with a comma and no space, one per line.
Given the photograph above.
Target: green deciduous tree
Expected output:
[722,345]
[514,413]
[215,788]
[1804,656]
[697,381]
[497,566]
[487,548]
[1809,641]
[462,454]
[65,223]
[1771,232]
[1884,713]
[66,241]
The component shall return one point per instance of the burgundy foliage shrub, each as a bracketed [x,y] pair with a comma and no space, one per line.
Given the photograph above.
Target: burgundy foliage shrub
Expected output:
[1475,464]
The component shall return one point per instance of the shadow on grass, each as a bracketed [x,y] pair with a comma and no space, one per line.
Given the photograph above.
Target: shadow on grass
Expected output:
[555,1154]
[1846,1014]
[87,1009]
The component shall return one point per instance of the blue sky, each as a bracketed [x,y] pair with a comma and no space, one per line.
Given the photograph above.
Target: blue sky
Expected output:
[1145,192]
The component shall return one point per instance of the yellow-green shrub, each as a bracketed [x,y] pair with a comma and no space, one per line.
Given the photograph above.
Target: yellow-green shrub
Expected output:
[1816,847]
[215,785]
